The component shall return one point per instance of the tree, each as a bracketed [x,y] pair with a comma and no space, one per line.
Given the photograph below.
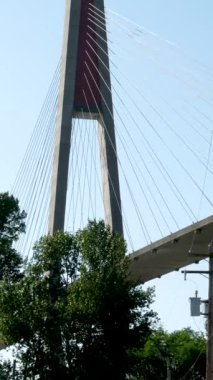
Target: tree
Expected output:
[11,226]
[179,355]
[5,370]
[8,371]
[117,314]
[189,350]
[75,313]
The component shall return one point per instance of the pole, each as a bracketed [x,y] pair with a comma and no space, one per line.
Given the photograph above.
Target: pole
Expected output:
[168,369]
[14,369]
[209,364]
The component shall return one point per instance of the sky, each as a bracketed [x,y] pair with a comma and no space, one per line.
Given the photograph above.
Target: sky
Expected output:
[30,40]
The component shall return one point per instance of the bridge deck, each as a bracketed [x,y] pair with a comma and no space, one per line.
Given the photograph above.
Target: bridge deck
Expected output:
[173,252]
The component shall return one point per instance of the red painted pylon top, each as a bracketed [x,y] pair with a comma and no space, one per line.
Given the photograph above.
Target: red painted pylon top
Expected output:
[87,97]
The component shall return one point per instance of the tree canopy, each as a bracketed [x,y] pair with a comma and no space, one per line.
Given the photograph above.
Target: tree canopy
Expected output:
[177,355]
[11,226]
[75,314]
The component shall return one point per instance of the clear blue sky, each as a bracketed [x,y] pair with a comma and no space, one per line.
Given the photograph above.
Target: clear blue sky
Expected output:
[30,40]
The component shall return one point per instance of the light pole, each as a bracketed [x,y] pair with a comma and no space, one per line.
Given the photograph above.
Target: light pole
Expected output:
[209,361]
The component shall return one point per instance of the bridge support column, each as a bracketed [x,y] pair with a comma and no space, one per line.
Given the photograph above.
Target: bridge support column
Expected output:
[97,105]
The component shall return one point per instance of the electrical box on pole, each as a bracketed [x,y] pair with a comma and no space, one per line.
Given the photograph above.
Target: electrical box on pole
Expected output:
[195,305]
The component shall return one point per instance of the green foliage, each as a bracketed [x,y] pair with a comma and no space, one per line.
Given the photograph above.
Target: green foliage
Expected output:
[74,313]
[5,371]
[117,314]
[11,218]
[182,353]
[8,371]
[11,225]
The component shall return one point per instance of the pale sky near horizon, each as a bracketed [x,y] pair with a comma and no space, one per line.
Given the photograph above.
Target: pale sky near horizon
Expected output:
[30,40]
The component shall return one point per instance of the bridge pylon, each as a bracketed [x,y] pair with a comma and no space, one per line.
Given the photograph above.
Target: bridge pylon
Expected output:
[80,98]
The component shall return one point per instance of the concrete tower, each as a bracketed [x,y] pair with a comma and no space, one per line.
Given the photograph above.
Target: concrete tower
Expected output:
[77,99]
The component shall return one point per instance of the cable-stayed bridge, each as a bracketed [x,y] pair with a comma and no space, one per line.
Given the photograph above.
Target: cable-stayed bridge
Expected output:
[162,110]
[164,149]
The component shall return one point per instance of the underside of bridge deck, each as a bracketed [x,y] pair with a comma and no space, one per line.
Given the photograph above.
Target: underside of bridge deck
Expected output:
[185,247]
